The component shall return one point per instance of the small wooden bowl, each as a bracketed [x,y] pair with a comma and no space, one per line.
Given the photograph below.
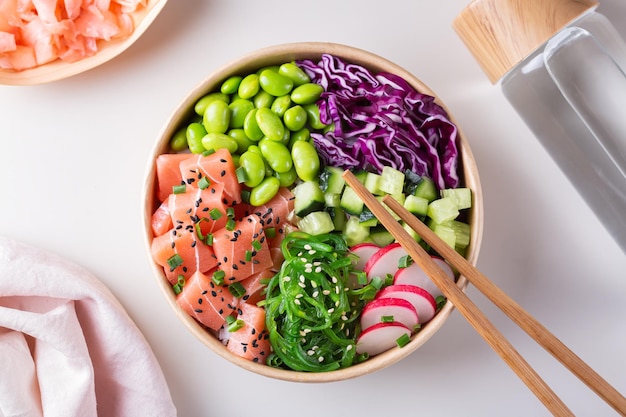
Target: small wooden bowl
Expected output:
[277,55]
[57,70]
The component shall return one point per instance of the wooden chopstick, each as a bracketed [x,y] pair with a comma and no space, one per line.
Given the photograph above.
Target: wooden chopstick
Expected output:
[473,314]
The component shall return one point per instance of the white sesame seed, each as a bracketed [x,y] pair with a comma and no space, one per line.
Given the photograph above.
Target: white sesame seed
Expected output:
[313,284]
[307,330]
[331,310]
[307,247]
[337,290]
[308,266]
[310,352]
[337,303]
[287,279]
[320,359]
[318,269]
[349,348]
[315,347]
[299,295]
[301,284]
[302,278]
[317,263]
[302,333]
[312,252]
[344,318]
[334,280]
[326,292]
[315,294]
[296,302]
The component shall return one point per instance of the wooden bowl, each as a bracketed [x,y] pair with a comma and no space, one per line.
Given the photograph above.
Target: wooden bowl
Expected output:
[277,55]
[57,70]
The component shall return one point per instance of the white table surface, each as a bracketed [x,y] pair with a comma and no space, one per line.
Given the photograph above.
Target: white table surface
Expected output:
[73,155]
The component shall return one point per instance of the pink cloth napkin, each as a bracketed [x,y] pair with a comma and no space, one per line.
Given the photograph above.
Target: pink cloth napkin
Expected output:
[67,346]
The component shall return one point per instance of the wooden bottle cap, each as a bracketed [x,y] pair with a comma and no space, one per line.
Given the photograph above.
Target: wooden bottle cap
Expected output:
[501,33]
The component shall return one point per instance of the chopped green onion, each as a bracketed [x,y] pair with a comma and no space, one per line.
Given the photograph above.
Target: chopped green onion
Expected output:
[387,319]
[218,277]
[208,152]
[405,261]
[270,232]
[179,189]
[417,328]
[215,213]
[245,196]
[441,301]
[361,278]
[230,213]
[257,245]
[235,325]
[178,287]
[403,340]
[204,183]
[237,289]
[208,239]
[174,261]
[388,280]
[242,175]
[248,256]
[230,225]
[377,283]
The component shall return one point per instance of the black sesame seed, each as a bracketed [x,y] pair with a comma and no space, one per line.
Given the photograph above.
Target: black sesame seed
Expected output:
[223,173]
[198,310]
[214,294]
[199,300]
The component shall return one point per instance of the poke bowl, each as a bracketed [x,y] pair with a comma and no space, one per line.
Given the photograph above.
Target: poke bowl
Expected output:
[261,249]
[39,44]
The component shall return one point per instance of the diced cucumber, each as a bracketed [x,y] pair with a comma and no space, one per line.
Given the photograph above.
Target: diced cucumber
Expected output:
[332,199]
[442,210]
[351,202]
[316,223]
[339,217]
[462,197]
[461,231]
[446,233]
[354,232]
[309,198]
[411,232]
[380,236]
[391,181]
[331,180]
[372,182]
[361,175]
[426,189]
[416,205]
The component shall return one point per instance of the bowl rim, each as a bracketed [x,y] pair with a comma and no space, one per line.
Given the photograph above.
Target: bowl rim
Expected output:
[107,50]
[277,54]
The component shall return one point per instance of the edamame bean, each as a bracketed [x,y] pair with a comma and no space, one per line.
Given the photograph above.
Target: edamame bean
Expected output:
[276,154]
[178,142]
[263,99]
[287,178]
[201,104]
[295,118]
[281,104]
[251,127]
[307,93]
[295,73]
[270,124]
[313,116]
[231,85]
[302,134]
[195,132]
[305,160]
[265,191]
[216,117]
[243,141]
[239,109]
[215,141]
[274,83]
[249,86]
[254,166]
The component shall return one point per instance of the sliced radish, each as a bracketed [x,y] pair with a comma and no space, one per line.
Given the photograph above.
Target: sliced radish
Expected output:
[364,251]
[380,337]
[385,261]
[424,303]
[415,275]
[397,309]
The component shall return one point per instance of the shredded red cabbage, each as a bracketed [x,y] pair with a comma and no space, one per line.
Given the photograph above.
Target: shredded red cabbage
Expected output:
[381,120]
